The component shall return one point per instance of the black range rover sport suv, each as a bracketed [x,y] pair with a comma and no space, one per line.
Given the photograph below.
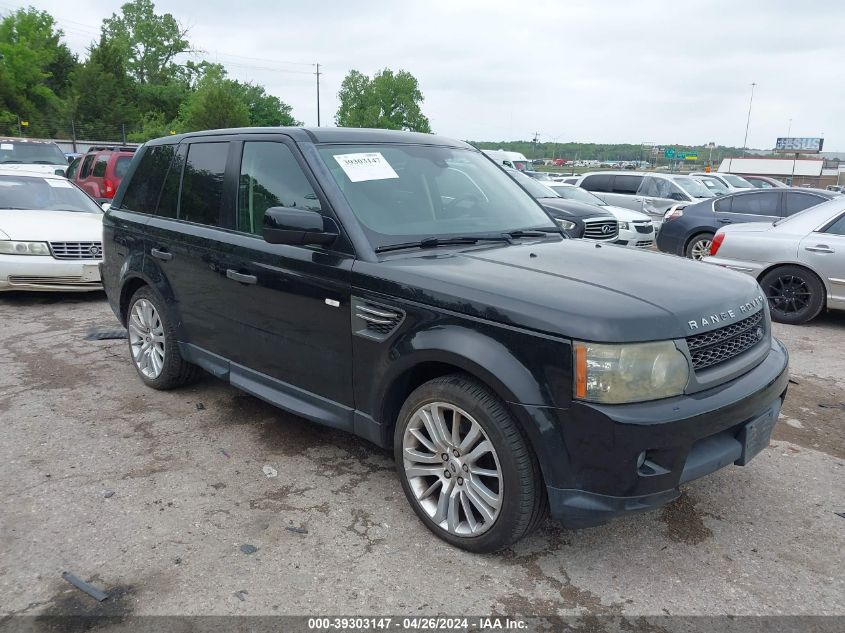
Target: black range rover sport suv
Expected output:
[402,287]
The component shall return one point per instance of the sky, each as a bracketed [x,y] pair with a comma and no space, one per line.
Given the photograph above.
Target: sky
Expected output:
[603,71]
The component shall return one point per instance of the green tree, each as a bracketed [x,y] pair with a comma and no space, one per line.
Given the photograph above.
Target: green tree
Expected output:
[216,103]
[151,41]
[388,100]
[265,110]
[35,64]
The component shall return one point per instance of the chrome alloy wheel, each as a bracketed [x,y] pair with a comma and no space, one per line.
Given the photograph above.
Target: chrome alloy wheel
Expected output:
[146,338]
[700,249]
[452,469]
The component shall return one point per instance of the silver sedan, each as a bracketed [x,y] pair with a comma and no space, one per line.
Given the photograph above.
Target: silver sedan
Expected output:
[799,261]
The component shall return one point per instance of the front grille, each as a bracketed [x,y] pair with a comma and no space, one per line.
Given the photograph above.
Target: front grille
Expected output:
[644,228]
[77,250]
[711,348]
[601,230]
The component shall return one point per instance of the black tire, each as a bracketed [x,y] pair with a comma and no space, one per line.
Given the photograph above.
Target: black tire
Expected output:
[175,371]
[698,241]
[524,503]
[795,294]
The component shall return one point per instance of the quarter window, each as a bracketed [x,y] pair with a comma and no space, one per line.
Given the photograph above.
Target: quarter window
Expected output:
[838,227]
[796,202]
[270,177]
[145,185]
[758,203]
[202,183]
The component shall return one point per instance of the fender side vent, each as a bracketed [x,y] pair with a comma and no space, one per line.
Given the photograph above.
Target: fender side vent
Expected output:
[374,320]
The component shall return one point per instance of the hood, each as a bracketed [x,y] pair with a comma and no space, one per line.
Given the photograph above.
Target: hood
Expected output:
[51,226]
[572,288]
[34,168]
[626,215]
[574,209]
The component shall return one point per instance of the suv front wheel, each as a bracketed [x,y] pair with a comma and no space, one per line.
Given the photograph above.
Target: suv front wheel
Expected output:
[466,469]
[152,343]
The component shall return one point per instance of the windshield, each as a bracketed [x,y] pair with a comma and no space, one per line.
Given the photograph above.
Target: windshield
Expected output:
[576,193]
[531,185]
[714,185]
[43,194]
[693,187]
[403,191]
[31,153]
[736,181]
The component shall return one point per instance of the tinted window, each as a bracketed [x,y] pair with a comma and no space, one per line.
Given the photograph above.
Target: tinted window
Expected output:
[202,183]
[100,166]
[758,203]
[86,166]
[796,202]
[168,204]
[626,184]
[145,185]
[597,182]
[723,205]
[270,177]
[121,165]
[838,227]
[74,167]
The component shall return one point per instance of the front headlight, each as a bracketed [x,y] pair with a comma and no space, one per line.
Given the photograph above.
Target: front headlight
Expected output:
[623,226]
[566,225]
[8,247]
[634,372]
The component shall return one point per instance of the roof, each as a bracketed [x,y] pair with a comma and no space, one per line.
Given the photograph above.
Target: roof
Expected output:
[328,135]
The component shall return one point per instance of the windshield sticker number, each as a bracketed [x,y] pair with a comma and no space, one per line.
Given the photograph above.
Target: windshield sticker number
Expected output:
[369,166]
[62,184]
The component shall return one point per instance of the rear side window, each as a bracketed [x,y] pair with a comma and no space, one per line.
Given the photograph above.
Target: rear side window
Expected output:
[758,203]
[168,203]
[626,184]
[145,185]
[86,166]
[121,165]
[270,177]
[796,202]
[838,227]
[100,166]
[202,183]
[597,182]
[723,205]
[74,167]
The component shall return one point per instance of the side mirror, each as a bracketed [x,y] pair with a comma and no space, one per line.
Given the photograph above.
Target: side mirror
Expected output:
[106,206]
[284,225]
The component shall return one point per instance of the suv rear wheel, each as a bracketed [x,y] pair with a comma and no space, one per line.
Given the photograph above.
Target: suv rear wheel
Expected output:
[795,294]
[152,343]
[466,469]
[699,246]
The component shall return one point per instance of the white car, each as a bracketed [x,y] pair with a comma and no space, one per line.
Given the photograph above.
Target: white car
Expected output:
[42,157]
[51,234]
[635,228]
[799,261]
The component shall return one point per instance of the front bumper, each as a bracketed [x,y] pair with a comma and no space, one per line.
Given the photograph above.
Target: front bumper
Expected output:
[598,476]
[25,272]
[632,237]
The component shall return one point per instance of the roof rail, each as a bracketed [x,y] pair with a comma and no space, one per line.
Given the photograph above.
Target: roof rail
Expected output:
[111,148]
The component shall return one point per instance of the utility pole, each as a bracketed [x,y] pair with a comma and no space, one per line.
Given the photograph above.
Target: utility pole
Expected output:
[318,94]
[748,120]
[73,135]
[536,138]
[123,131]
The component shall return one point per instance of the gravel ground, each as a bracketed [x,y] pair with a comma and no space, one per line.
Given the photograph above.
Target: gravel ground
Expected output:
[152,495]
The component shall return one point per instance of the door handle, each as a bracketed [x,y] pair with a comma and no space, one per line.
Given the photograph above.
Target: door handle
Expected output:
[819,248]
[234,275]
[725,221]
[160,254]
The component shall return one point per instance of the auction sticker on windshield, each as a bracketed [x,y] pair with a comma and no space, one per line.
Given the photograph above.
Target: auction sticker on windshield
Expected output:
[368,166]
[62,184]
[7,146]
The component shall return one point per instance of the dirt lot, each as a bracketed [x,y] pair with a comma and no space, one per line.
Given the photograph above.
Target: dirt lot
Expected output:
[152,494]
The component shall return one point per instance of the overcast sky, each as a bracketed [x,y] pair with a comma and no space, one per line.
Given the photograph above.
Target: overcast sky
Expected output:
[582,70]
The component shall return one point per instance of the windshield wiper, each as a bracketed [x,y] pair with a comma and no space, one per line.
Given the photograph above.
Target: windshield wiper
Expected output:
[433,242]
